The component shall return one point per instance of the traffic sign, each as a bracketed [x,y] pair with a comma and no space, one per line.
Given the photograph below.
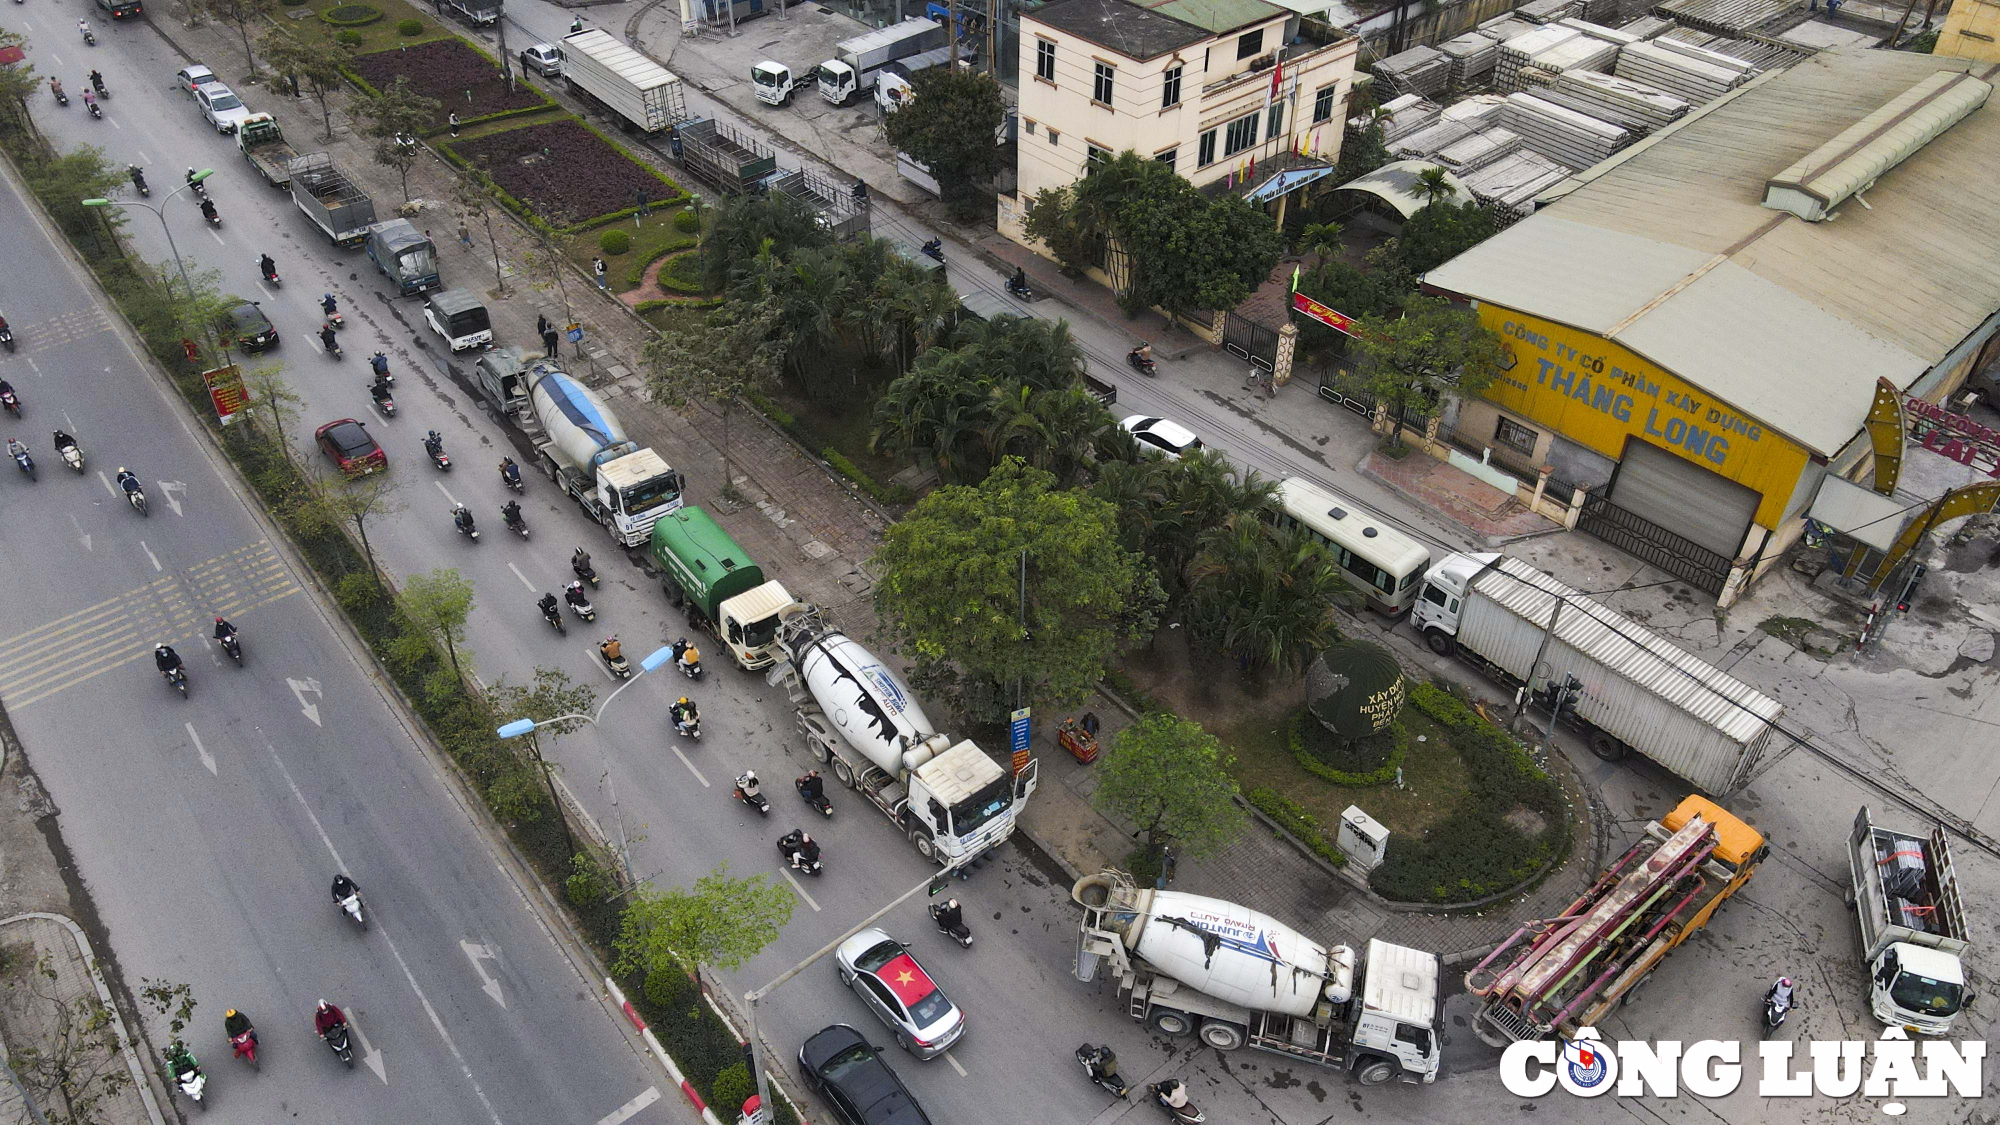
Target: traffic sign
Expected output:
[1019,729]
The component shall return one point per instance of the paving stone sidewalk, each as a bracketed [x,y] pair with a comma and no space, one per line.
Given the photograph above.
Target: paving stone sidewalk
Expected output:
[25,1021]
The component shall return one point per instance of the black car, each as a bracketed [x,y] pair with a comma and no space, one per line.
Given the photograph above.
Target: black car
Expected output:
[252,329]
[849,1073]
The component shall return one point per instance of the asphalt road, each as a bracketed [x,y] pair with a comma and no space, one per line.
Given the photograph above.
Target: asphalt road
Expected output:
[208,829]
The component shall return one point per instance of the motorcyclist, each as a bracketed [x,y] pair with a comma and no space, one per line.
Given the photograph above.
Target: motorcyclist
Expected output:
[685,714]
[208,209]
[128,480]
[812,786]
[462,516]
[686,655]
[1781,992]
[327,339]
[89,98]
[548,606]
[748,783]
[166,659]
[83,26]
[190,177]
[803,849]
[433,443]
[138,175]
[63,441]
[380,363]
[328,1018]
[15,449]
[509,471]
[328,305]
[55,86]
[580,561]
[1019,280]
[573,593]
[181,1061]
[7,389]
[223,629]
[1104,1064]
[234,1023]
[379,388]
[269,267]
[950,916]
[343,887]
[1174,1093]
[511,512]
[576,25]
[611,649]
[97,81]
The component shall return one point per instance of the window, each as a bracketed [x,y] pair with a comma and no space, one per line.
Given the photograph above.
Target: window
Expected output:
[1101,92]
[1276,127]
[1206,156]
[1167,157]
[1093,157]
[1170,87]
[1515,436]
[1242,134]
[1055,138]
[1045,60]
[1323,103]
[1249,45]
[1028,125]
[1434,595]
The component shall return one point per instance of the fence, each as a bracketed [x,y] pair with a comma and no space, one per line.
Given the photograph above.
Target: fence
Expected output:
[1655,545]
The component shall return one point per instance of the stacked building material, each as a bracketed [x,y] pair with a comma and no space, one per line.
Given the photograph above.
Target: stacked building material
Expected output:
[1420,70]
[1599,31]
[1581,53]
[1430,139]
[1479,109]
[1560,133]
[1476,150]
[1724,17]
[1703,54]
[1548,11]
[1519,51]
[1510,184]
[1502,28]
[1690,79]
[1621,101]
[1647,27]
[1472,57]
[1408,118]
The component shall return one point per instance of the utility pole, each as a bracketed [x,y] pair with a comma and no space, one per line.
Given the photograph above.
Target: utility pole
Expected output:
[1528,688]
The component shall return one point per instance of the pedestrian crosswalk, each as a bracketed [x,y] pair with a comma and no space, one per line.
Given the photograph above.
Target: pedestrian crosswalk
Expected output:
[173,609]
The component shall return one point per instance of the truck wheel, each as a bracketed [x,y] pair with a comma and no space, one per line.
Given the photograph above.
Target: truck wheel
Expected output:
[818,751]
[1607,747]
[1440,642]
[1222,1035]
[1373,1070]
[843,773]
[1632,993]
[1170,1022]
[673,591]
[922,841]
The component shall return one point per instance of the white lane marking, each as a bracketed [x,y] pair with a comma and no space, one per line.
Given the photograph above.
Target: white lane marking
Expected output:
[487,984]
[692,770]
[216,237]
[954,1064]
[436,1022]
[797,887]
[80,531]
[207,759]
[602,665]
[517,573]
[631,1109]
[168,488]
[108,486]
[299,690]
[446,491]
[370,1057]
[149,555]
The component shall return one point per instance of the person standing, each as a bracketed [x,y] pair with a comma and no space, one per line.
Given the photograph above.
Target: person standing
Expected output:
[549,342]
[454,124]
[597,267]
[464,235]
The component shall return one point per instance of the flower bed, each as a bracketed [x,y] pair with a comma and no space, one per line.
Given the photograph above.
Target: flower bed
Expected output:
[564,172]
[446,69]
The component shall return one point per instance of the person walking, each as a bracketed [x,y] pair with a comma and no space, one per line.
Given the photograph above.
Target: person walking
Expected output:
[454,124]
[598,267]
[549,342]
[464,235]
[542,324]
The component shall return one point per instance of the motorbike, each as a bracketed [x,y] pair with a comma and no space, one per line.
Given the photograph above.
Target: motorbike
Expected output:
[96,111]
[463,521]
[689,668]
[1184,1114]
[1140,362]
[208,212]
[935,249]
[351,906]
[331,308]
[553,615]
[1093,1059]
[818,800]
[755,800]
[26,462]
[245,1046]
[510,475]
[200,190]
[336,1040]
[6,336]
[690,729]
[960,933]
[177,678]
[581,566]
[518,524]
[1776,1008]
[137,498]
[383,402]
[139,180]
[791,846]
[583,609]
[329,341]
[189,1079]
[232,645]
[620,667]
[435,447]
[272,277]
[11,402]
[97,83]
[89,38]
[61,97]
[1020,289]
[379,363]
[72,456]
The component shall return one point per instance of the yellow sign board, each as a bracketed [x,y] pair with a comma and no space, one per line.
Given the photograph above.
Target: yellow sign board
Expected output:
[1598,394]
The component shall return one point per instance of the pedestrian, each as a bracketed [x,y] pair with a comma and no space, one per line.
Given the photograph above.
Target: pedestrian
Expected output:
[542,325]
[549,342]
[464,235]
[597,267]
[1252,377]
[454,124]
[576,25]
[439,5]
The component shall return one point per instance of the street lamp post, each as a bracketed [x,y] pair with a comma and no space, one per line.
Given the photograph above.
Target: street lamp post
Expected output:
[519,727]
[161,213]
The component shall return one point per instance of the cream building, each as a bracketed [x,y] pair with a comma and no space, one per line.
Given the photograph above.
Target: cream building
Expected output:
[1189,83]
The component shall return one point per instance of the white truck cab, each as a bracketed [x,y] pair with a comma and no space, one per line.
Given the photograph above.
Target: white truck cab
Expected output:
[774,82]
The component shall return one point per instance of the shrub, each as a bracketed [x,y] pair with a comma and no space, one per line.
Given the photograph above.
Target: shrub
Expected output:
[348,38]
[1370,761]
[351,15]
[517,794]
[1293,818]
[586,884]
[733,1086]
[686,223]
[410,29]
[614,242]
[893,494]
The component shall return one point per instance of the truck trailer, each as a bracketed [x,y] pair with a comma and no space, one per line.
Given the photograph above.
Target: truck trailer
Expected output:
[1635,690]
[262,142]
[728,158]
[404,255]
[1235,977]
[1572,971]
[720,586]
[622,486]
[331,200]
[645,96]
[858,717]
[857,62]
[1913,926]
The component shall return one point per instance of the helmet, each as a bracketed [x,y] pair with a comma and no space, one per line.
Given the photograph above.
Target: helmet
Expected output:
[160,648]
[681,702]
[322,1004]
[218,619]
[1785,982]
[122,470]
[230,1014]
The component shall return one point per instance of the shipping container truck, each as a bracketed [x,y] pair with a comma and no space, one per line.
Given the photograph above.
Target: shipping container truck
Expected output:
[1634,691]
[263,144]
[404,255]
[478,13]
[1572,971]
[645,96]
[1236,977]
[728,158]
[857,62]
[331,200]
[1913,926]
[622,486]
[720,586]
[858,717]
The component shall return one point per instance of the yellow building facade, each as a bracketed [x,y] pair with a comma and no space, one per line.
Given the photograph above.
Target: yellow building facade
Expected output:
[1971,31]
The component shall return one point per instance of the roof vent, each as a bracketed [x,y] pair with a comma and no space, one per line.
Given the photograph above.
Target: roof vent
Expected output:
[1851,162]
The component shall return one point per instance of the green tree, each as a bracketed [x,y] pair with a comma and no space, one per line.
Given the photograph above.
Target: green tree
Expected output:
[242,13]
[395,118]
[351,503]
[1171,778]
[272,398]
[71,176]
[747,227]
[952,573]
[1432,348]
[559,706]
[436,605]
[940,409]
[1321,240]
[950,124]
[1362,154]
[1057,221]
[720,921]
[1441,232]
[18,83]
[1265,594]
[1433,186]
[711,366]
[312,60]
[72,1065]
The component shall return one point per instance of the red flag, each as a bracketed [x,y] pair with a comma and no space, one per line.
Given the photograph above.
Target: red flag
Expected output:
[1252,173]
[1277,80]
[906,979]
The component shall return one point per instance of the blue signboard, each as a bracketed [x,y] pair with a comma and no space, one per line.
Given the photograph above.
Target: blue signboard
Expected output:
[1019,729]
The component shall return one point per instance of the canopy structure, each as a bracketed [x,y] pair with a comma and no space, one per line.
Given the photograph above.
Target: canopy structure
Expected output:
[1396,185]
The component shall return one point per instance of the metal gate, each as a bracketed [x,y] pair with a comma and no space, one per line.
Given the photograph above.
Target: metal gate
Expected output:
[1250,340]
[1654,545]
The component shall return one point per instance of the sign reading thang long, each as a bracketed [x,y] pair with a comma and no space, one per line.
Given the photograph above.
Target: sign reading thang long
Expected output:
[1598,394]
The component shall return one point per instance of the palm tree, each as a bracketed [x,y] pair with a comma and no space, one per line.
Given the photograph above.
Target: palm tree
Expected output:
[1321,239]
[1264,593]
[1074,421]
[1014,428]
[1433,186]
[940,408]
[1136,488]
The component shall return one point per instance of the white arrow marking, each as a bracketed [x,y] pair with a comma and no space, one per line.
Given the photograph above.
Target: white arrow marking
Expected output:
[299,690]
[797,886]
[522,577]
[487,984]
[631,1109]
[371,1057]
[207,759]
[80,531]
[168,488]
[149,555]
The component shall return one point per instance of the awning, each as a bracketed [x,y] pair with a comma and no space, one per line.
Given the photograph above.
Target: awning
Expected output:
[1396,184]
[1285,183]
[1861,513]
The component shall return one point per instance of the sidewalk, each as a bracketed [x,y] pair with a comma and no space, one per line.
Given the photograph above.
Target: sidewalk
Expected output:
[1466,500]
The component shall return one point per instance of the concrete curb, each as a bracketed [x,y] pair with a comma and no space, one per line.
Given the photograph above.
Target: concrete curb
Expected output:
[125,1047]
[666,1060]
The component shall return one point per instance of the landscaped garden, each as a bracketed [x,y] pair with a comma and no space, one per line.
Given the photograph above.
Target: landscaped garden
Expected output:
[463,79]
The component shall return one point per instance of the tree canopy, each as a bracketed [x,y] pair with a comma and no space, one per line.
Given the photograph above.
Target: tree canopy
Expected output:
[950,124]
[1431,347]
[1171,778]
[720,921]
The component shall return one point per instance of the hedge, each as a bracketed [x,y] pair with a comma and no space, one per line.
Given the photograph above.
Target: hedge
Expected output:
[351,15]
[635,273]
[1398,740]
[1293,818]
[671,278]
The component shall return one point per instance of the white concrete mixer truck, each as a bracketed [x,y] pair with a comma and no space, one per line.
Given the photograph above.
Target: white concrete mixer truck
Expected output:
[1236,977]
[860,719]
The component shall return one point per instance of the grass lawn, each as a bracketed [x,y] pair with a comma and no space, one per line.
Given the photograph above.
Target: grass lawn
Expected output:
[1434,777]
[846,429]
[654,232]
[381,35]
[672,319]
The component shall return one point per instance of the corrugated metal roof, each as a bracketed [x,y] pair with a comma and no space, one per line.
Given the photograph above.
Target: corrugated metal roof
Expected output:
[1395,184]
[1647,659]
[1913,272]
[1852,161]
[1218,17]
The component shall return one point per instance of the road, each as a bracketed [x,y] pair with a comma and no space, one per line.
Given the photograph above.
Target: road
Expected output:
[208,829]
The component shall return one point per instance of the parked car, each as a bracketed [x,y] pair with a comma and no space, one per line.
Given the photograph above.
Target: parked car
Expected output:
[193,77]
[251,329]
[122,9]
[221,106]
[543,59]
[1164,436]
[849,1073]
[348,445]
[899,992]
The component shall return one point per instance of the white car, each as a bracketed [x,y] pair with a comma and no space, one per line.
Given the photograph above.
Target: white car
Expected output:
[221,106]
[193,77]
[543,59]
[1163,436]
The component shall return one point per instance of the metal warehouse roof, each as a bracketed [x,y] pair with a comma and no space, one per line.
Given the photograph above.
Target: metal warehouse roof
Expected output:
[1668,249]
[1649,660]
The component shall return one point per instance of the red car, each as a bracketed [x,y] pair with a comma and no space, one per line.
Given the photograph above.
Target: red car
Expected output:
[348,444]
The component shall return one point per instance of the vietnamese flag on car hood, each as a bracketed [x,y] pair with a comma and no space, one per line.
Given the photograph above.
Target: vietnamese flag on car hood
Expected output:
[906,980]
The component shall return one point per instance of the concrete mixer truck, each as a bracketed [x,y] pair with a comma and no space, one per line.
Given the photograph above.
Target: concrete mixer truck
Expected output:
[1236,977]
[859,718]
[625,488]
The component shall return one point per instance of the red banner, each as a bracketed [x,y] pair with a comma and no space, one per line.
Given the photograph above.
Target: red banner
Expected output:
[225,389]
[1340,321]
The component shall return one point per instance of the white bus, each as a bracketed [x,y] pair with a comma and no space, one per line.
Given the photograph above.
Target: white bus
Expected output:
[1381,562]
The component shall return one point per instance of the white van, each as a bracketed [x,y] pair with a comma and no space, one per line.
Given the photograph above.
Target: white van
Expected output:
[460,318]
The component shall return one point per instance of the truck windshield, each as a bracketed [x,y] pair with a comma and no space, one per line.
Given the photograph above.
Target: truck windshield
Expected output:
[764,77]
[971,814]
[757,634]
[651,494]
[829,76]
[1922,994]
